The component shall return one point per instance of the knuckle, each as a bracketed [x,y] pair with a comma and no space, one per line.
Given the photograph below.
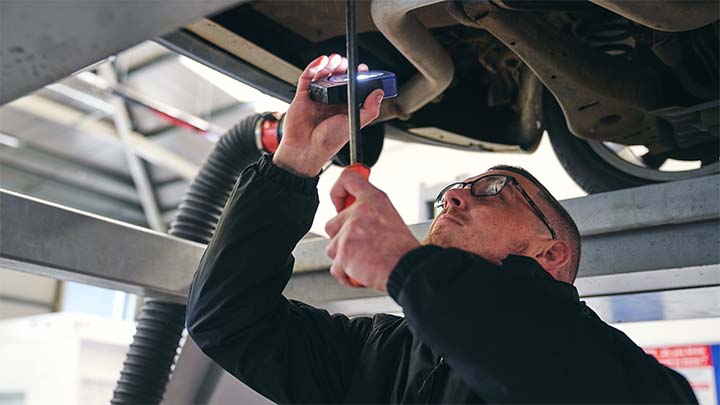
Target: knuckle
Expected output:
[352,224]
[361,207]
[342,250]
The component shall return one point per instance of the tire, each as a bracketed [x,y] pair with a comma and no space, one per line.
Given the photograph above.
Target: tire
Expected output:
[594,167]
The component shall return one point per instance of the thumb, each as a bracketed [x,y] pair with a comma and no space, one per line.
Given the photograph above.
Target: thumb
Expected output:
[371,107]
[348,184]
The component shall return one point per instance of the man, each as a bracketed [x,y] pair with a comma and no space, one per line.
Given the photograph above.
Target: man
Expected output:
[490,312]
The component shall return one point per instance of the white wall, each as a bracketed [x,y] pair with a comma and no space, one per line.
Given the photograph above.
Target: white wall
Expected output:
[62,358]
[403,168]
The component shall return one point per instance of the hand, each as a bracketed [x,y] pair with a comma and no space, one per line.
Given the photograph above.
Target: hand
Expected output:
[368,238]
[314,132]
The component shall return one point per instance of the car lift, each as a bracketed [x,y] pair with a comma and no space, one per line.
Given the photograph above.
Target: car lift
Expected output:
[651,238]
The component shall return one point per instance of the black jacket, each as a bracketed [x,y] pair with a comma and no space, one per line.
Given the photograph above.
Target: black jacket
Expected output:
[472,332]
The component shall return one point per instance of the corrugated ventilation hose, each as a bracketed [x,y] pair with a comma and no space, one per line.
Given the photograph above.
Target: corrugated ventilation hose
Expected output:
[151,357]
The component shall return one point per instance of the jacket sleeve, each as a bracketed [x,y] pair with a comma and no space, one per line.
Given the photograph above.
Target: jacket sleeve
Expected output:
[513,339]
[287,351]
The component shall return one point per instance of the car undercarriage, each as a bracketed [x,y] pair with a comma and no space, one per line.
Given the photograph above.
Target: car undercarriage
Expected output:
[622,88]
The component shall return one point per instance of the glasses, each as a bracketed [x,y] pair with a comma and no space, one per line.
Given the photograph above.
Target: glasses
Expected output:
[493,185]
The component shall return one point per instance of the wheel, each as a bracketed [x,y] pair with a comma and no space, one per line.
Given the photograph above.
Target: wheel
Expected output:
[598,166]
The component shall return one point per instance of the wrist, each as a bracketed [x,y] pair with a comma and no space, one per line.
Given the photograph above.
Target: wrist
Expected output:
[296,162]
[399,254]
[403,268]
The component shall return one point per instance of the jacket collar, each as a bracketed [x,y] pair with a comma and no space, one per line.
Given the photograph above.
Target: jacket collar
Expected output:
[530,265]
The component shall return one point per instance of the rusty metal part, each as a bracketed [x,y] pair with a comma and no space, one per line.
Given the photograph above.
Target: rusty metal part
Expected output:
[672,16]
[542,5]
[694,59]
[397,22]
[607,32]
[603,98]
[527,129]
[321,20]
[502,65]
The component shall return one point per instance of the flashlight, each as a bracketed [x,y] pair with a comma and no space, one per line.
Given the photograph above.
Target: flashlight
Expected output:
[333,89]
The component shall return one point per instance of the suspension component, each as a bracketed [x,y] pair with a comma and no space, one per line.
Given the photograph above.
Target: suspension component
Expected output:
[608,33]
[602,97]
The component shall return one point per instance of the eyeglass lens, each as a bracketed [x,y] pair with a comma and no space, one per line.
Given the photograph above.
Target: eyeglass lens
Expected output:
[482,187]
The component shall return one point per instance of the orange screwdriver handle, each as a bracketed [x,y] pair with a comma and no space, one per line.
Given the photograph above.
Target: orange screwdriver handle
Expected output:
[360,169]
[364,171]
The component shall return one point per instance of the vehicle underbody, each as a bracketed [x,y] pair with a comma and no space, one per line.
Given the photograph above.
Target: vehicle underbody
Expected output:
[601,77]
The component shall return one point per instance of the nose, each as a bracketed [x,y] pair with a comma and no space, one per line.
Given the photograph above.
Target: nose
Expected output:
[456,198]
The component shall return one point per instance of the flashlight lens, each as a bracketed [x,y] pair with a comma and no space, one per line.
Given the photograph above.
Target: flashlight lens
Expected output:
[361,76]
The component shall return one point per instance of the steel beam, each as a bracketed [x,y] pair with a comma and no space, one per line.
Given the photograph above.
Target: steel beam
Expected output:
[70,117]
[58,242]
[657,237]
[663,226]
[47,165]
[38,186]
[45,42]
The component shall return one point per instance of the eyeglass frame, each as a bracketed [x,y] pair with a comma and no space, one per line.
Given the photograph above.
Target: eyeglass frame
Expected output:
[439,200]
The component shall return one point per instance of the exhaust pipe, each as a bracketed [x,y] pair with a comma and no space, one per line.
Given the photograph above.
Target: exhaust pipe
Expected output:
[395,20]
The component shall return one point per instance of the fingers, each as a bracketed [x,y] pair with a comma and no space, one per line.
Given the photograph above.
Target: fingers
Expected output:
[336,269]
[343,67]
[339,274]
[337,65]
[334,61]
[331,249]
[310,70]
[371,107]
[332,227]
[349,183]
[322,67]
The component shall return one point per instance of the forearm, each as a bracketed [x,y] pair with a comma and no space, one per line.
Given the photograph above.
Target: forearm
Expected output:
[248,262]
[287,351]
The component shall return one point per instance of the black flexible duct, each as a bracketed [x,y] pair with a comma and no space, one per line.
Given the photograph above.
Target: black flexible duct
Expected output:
[151,357]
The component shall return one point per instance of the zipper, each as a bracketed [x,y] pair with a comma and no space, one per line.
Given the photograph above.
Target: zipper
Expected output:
[428,383]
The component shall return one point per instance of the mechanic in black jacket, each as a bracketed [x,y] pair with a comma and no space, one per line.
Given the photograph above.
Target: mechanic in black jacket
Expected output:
[490,311]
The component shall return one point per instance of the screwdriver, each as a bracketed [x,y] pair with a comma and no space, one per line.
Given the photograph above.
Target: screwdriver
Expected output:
[356,164]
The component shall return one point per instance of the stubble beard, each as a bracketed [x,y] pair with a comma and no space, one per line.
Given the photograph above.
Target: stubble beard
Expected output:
[437,237]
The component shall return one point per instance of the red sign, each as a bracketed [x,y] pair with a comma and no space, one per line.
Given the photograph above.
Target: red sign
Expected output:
[682,356]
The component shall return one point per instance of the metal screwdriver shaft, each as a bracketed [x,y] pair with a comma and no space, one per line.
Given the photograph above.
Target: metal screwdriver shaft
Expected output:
[353,103]
[352,88]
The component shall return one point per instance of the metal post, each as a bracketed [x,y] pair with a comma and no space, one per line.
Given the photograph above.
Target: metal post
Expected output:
[139,174]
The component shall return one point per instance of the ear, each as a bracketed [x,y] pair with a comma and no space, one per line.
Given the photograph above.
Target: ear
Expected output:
[553,256]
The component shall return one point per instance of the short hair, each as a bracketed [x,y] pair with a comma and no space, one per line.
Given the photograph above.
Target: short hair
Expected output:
[559,219]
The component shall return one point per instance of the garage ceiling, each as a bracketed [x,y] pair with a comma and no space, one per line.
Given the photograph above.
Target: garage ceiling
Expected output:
[58,144]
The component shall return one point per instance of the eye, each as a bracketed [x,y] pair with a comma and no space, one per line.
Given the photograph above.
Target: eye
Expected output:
[494,186]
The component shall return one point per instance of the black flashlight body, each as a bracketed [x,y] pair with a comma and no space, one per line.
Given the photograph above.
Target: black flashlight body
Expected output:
[333,89]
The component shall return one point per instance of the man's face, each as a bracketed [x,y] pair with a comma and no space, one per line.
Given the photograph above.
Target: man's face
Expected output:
[492,227]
